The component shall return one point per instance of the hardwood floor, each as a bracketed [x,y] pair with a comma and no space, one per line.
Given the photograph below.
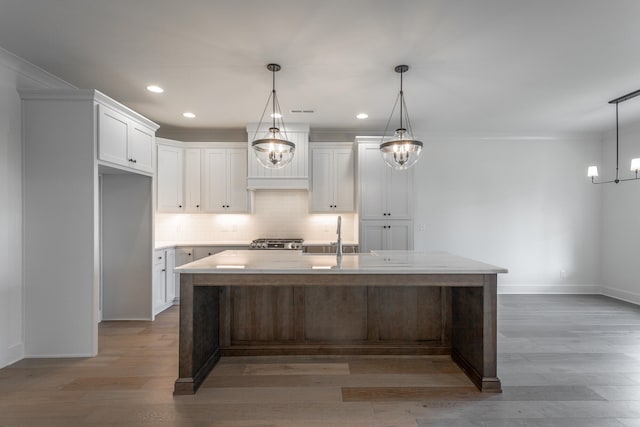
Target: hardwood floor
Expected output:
[563,361]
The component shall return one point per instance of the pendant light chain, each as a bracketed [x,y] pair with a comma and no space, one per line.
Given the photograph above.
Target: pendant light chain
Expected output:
[401,98]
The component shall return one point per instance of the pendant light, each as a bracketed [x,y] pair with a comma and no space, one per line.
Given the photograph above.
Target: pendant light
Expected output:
[273,150]
[402,151]
[592,171]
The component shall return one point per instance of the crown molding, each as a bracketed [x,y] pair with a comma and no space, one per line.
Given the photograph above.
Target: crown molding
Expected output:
[31,76]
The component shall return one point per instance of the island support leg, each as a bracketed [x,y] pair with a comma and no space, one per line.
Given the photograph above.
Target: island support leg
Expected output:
[199,347]
[474,333]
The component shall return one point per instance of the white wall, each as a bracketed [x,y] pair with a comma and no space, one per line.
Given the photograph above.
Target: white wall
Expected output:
[14,73]
[518,203]
[621,217]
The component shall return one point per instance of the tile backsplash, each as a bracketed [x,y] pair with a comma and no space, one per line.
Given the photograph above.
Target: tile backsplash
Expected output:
[277,213]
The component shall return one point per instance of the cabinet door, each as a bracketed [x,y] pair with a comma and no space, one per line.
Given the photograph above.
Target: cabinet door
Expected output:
[322,182]
[343,180]
[159,287]
[237,194]
[214,179]
[373,182]
[399,236]
[113,135]
[141,143]
[170,179]
[193,178]
[372,236]
[399,193]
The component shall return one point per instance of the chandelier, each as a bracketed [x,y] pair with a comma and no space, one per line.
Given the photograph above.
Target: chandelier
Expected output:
[273,150]
[402,151]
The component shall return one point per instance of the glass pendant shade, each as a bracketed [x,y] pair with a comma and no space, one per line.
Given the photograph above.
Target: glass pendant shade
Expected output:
[273,150]
[592,171]
[635,165]
[402,151]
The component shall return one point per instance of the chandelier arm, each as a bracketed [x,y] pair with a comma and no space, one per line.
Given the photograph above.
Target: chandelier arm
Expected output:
[261,117]
[406,112]
[281,126]
[390,117]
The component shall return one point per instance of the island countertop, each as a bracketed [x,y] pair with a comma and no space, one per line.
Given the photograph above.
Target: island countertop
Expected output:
[377,262]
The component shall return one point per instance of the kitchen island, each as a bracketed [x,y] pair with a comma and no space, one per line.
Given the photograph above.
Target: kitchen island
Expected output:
[247,302]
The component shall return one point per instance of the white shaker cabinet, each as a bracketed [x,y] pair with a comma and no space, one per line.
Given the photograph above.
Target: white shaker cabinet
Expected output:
[395,235]
[170,178]
[385,193]
[123,141]
[225,180]
[192,179]
[163,280]
[332,178]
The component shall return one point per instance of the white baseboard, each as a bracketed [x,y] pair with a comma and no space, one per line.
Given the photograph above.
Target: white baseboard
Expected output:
[631,297]
[57,356]
[549,289]
[14,354]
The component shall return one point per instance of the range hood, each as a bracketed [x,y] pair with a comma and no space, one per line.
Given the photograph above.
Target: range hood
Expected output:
[294,176]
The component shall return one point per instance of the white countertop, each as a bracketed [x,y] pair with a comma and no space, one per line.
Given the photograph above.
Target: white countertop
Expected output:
[295,262]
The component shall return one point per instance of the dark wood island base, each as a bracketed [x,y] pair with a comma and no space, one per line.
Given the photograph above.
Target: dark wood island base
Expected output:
[227,314]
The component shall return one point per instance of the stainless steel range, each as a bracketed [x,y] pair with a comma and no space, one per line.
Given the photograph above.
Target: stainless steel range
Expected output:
[287,244]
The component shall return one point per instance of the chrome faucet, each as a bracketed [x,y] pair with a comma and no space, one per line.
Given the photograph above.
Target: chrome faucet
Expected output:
[339,242]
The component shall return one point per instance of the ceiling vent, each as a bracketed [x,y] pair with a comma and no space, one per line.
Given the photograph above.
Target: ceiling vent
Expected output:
[302,111]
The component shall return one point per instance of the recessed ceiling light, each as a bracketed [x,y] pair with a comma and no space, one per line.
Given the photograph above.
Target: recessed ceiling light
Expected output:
[362,116]
[155,89]
[189,115]
[276,115]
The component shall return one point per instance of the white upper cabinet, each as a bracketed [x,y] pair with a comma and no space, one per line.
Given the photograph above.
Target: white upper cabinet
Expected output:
[192,173]
[385,193]
[201,179]
[170,178]
[225,180]
[332,173]
[124,141]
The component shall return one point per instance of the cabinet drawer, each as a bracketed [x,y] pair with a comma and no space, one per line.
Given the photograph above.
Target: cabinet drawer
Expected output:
[159,257]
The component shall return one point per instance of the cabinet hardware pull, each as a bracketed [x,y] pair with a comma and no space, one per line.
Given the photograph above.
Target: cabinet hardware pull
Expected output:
[164,270]
[197,206]
[159,257]
[179,206]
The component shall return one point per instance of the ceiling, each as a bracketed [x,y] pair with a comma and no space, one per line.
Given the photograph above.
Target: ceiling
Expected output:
[476,66]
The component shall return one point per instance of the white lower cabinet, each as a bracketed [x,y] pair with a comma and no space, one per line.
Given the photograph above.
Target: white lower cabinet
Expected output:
[163,279]
[386,235]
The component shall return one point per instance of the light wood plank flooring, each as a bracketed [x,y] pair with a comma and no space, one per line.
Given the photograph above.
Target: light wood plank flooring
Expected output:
[563,361]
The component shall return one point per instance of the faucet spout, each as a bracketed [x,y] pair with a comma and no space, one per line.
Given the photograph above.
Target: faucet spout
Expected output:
[339,243]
